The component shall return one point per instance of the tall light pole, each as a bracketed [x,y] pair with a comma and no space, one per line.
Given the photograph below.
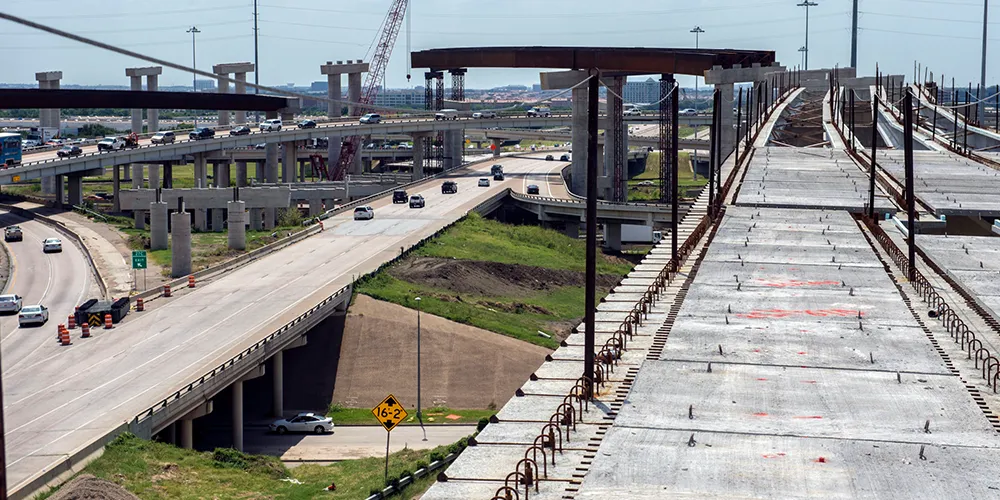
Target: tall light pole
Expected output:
[194,65]
[803,50]
[256,60]
[982,76]
[807,4]
[854,36]
[697,32]
[420,417]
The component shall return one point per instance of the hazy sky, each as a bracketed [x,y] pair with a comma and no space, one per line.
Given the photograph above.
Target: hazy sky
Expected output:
[297,36]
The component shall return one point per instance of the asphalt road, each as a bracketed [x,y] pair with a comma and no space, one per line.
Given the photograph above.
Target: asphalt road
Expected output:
[57,400]
[59,281]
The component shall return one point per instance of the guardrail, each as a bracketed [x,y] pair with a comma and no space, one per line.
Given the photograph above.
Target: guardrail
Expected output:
[419,473]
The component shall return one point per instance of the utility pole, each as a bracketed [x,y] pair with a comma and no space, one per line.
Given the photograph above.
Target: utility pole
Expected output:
[194,65]
[854,37]
[256,60]
[807,4]
[697,32]
[802,50]
[982,75]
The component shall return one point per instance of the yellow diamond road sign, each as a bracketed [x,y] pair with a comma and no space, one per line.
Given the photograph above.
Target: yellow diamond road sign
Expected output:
[389,412]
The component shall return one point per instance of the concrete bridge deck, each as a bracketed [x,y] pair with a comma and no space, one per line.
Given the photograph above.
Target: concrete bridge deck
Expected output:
[948,183]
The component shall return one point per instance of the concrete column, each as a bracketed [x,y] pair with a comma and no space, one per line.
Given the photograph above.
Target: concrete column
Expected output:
[223,89]
[357,167]
[116,173]
[302,170]
[240,117]
[333,151]
[237,389]
[215,175]
[200,171]
[168,175]
[572,229]
[271,167]
[288,161]
[241,174]
[180,236]
[136,85]
[48,80]
[278,386]
[187,433]
[258,172]
[75,190]
[333,91]
[418,157]
[315,207]
[171,434]
[218,220]
[137,176]
[613,237]
[201,219]
[60,191]
[728,124]
[256,219]
[496,150]
[152,115]
[353,93]
[269,216]
[578,170]
[154,176]
[449,149]
[126,173]
[158,227]
[236,212]
[223,176]
[48,185]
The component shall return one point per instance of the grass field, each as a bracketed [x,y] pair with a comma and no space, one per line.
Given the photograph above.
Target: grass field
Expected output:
[153,470]
[521,317]
[436,416]
[685,181]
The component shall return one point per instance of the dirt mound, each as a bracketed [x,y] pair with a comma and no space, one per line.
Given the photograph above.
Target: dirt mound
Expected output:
[491,279]
[87,487]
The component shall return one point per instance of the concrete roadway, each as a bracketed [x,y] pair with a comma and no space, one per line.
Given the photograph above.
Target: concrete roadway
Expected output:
[58,400]
[59,281]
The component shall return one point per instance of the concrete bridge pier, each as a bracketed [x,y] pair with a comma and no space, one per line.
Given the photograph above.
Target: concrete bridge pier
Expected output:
[152,76]
[75,189]
[496,147]
[49,118]
[271,165]
[180,235]
[60,191]
[315,207]
[236,211]
[278,384]
[116,188]
[288,162]
[201,219]
[269,218]
[200,171]
[218,220]
[186,424]
[168,175]
[158,226]
[572,229]
[222,175]
[241,174]
[48,185]
[613,237]
[237,392]
[418,156]
[137,176]
[240,71]
[256,219]
[258,175]
[154,176]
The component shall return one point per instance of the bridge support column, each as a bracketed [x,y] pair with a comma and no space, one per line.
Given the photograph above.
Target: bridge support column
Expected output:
[137,176]
[288,162]
[223,89]
[116,188]
[354,92]
[271,165]
[240,117]
[153,115]
[152,83]
[496,147]
[269,217]
[315,207]
[578,172]
[613,236]
[256,219]
[200,171]
[215,175]
[222,175]
[241,174]
[335,142]
[572,229]
[237,224]
[48,118]
[180,236]
[158,228]
[237,389]
[218,220]
[136,85]
[278,385]
[728,135]
[168,175]
[139,217]
[419,142]
[154,176]
[186,433]
[60,191]
[201,219]
[75,189]
[258,174]
[48,185]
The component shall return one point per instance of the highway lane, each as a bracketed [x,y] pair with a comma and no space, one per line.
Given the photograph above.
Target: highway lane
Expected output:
[57,402]
[59,281]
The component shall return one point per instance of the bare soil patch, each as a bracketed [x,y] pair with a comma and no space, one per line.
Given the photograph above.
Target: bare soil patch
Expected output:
[88,487]
[491,279]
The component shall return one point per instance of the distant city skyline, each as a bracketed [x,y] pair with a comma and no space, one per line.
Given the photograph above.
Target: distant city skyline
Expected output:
[297,36]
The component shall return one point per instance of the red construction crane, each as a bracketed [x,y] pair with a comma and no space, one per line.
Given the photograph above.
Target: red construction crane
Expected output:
[387,40]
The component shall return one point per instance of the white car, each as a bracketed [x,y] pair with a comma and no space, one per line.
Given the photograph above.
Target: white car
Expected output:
[371,118]
[52,245]
[111,144]
[163,138]
[484,114]
[33,315]
[303,422]
[364,213]
[484,182]
[688,112]
[633,112]
[446,114]
[10,303]
[272,125]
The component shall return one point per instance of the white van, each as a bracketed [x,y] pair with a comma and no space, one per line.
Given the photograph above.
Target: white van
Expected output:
[272,125]
[446,114]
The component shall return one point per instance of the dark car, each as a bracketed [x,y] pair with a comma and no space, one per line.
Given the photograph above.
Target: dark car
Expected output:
[532,189]
[241,130]
[12,233]
[564,158]
[399,196]
[549,158]
[498,176]
[449,187]
[68,151]
[307,124]
[201,133]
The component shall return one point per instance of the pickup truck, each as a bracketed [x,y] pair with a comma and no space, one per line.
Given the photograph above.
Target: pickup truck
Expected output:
[484,115]
[111,144]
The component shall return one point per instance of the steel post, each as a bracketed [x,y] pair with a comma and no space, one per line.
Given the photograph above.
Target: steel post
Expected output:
[590,301]
[874,159]
[739,123]
[908,165]
[662,143]
[712,159]
[674,197]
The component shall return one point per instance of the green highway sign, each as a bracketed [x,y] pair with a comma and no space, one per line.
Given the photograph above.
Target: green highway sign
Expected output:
[138,259]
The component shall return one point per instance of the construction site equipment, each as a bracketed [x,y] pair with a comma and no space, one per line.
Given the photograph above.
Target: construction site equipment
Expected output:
[318,164]
[94,312]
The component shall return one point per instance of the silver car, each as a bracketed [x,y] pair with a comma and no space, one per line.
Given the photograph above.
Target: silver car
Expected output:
[10,303]
[52,245]
[33,315]
[303,422]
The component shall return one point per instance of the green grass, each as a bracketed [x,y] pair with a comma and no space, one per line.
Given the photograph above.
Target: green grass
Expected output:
[363,416]
[160,471]
[476,238]
[685,181]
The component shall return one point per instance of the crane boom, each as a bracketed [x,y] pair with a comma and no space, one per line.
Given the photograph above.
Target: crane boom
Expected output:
[380,60]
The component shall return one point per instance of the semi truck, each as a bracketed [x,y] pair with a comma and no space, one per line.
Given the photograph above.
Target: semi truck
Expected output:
[634,233]
[39,136]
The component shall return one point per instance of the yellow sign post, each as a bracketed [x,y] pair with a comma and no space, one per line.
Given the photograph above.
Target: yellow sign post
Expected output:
[390,413]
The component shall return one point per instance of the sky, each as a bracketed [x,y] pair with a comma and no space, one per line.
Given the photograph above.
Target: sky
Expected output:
[297,36]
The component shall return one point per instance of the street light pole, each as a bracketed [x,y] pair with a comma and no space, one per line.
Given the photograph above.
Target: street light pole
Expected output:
[803,50]
[256,60]
[982,75]
[194,65]
[697,32]
[420,417]
[807,4]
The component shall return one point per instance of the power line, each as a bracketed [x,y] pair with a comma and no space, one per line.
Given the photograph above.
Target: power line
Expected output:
[925,18]
[130,30]
[933,35]
[143,14]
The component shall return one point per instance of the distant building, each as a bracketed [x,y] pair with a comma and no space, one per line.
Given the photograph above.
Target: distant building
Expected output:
[536,87]
[401,98]
[321,86]
[204,84]
[646,92]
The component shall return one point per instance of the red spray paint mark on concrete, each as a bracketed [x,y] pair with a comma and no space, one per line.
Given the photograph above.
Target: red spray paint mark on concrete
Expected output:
[802,352]
[820,460]
[808,381]
[809,417]
[773,455]
[786,313]
[762,379]
[760,414]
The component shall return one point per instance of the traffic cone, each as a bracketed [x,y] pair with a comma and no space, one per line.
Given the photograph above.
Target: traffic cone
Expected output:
[139,305]
[107,321]
[64,335]
[191,281]
[166,290]
[85,328]
[71,322]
